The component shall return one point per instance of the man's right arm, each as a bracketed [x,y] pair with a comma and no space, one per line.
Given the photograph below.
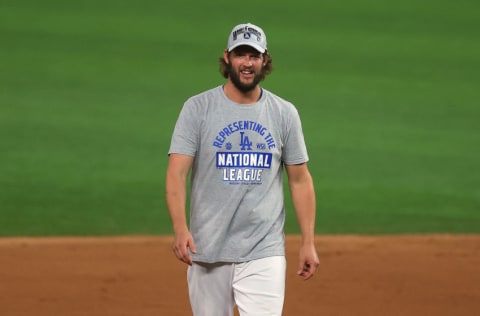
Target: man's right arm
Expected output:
[176,195]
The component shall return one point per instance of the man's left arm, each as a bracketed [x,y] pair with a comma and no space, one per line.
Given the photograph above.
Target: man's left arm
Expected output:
[303,197]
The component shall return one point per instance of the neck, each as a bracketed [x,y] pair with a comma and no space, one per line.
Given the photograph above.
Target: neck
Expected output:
[241,97]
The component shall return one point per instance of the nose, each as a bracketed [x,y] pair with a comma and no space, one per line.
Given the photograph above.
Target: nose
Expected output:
[248,61]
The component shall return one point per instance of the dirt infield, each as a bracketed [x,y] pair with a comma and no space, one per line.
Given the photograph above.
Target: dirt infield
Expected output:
[136,276]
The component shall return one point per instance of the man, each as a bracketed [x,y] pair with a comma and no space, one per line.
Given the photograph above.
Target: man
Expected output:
[235,140]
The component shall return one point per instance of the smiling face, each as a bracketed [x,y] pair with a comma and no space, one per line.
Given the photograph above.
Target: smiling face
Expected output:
[246,66]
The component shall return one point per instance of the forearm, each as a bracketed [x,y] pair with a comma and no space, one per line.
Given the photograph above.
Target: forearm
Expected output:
[176,191]
[304,202]
[176,203]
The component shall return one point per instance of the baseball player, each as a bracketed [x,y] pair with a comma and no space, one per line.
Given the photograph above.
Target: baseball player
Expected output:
[236,140]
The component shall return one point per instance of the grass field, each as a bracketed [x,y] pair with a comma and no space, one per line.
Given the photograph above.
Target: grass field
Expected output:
[388,93]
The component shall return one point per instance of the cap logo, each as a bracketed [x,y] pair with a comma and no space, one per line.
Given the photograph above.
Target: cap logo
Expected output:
[247,33]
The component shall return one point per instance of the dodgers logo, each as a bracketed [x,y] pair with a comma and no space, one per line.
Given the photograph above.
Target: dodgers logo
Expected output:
[245,143]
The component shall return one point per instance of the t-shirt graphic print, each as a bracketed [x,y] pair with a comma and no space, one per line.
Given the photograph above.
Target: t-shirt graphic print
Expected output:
[241,159]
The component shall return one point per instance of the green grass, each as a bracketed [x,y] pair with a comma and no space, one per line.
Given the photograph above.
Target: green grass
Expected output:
[388,94]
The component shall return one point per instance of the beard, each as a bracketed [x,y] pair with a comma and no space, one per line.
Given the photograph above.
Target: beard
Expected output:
[244,87]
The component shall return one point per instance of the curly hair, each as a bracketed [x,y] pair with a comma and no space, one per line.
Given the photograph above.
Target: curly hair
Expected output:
[266,70]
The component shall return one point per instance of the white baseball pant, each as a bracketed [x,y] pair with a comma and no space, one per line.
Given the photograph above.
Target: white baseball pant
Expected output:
[257,287]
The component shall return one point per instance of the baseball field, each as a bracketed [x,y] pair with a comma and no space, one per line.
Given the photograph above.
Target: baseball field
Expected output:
[389,98]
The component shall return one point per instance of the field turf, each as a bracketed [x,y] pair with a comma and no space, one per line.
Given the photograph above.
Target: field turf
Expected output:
[388,93]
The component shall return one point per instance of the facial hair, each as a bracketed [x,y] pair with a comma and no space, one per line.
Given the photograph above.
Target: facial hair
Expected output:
[244,87]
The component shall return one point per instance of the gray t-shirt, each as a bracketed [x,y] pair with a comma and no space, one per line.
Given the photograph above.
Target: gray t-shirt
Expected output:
[237,209]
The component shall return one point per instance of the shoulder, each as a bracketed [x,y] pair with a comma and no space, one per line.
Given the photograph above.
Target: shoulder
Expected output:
[205,95]
[200,103]
[282,104]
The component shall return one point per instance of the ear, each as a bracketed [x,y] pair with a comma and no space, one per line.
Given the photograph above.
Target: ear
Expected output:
[225,57]
[266,59]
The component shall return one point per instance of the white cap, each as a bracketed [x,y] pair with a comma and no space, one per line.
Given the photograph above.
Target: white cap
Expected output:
[247,34]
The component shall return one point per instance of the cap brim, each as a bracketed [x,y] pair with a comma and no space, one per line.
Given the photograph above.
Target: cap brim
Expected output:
[257,47]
